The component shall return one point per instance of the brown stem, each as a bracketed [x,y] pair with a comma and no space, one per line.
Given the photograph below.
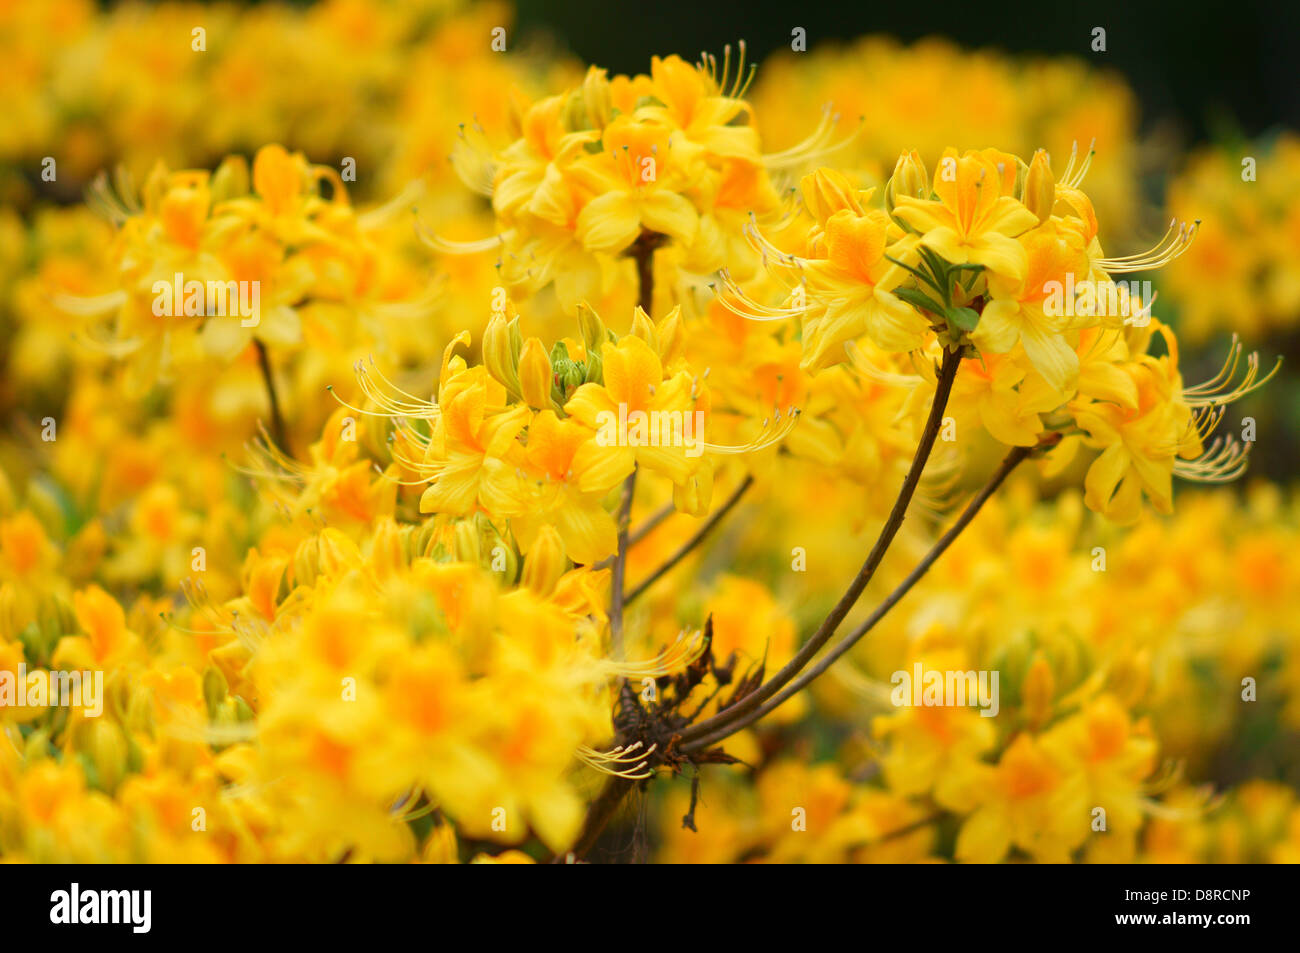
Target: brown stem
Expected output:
[1011,461]
[693,542]
[640,533]
[605,805]
[947,373]
[611,796]
[643,250]
[620,566]
[278,433]
[600,813]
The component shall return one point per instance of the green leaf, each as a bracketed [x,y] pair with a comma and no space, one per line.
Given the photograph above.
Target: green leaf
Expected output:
[920,275]
[937,263]
[919,299]
[964,318]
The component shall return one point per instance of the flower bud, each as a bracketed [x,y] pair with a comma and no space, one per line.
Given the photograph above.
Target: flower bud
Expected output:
[644,328]
[594,337]
[1040,187]
[502,343]
[827,191]
[388,550]
[426,538]
[567,374]
[671,337]
[910,178]
[546,562]
[595,96]
[468,548]
[535,375]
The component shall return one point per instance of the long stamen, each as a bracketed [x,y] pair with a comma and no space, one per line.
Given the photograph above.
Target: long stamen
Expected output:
[1223,462]
[383,214]
[1220,389]
[859,362]
[1073,178]
[1173,244]
[449,247]
[732,297]
[602,760]
[774,431]
[684,650]
[816,147]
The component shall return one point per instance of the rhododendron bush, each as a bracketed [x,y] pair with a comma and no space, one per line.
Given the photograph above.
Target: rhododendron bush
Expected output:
[423,448]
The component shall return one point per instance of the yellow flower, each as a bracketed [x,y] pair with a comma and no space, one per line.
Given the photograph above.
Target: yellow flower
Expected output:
[573,481]
[1019,307]
[976,216]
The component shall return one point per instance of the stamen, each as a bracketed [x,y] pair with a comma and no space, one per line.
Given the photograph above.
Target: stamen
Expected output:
[1220,389]
[859,362]
[383,214]
[684,650]
[602,760]
[1223,462]
[1173,244]
[772,433]
[1072,178]
[816,147]
[737,302]
[449,247]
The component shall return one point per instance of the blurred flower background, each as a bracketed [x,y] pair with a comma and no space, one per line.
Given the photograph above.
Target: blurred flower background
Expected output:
[229,563]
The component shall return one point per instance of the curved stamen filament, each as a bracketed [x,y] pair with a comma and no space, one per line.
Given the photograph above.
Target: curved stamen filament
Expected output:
[732,297]
[1071,177]
[818,145]
[774,431]
[603,761]
[1174,242]
[773,257]
[859,363]
[450,247]
[1208,802]
[684,650]
[1220,388]
[1223,462]
[381,215]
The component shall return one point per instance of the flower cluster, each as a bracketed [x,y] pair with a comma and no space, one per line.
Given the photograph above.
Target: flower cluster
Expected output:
[667,158]
[358,518]
[1001,260]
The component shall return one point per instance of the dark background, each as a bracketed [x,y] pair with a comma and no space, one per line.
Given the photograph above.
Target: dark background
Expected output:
[1214,67]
